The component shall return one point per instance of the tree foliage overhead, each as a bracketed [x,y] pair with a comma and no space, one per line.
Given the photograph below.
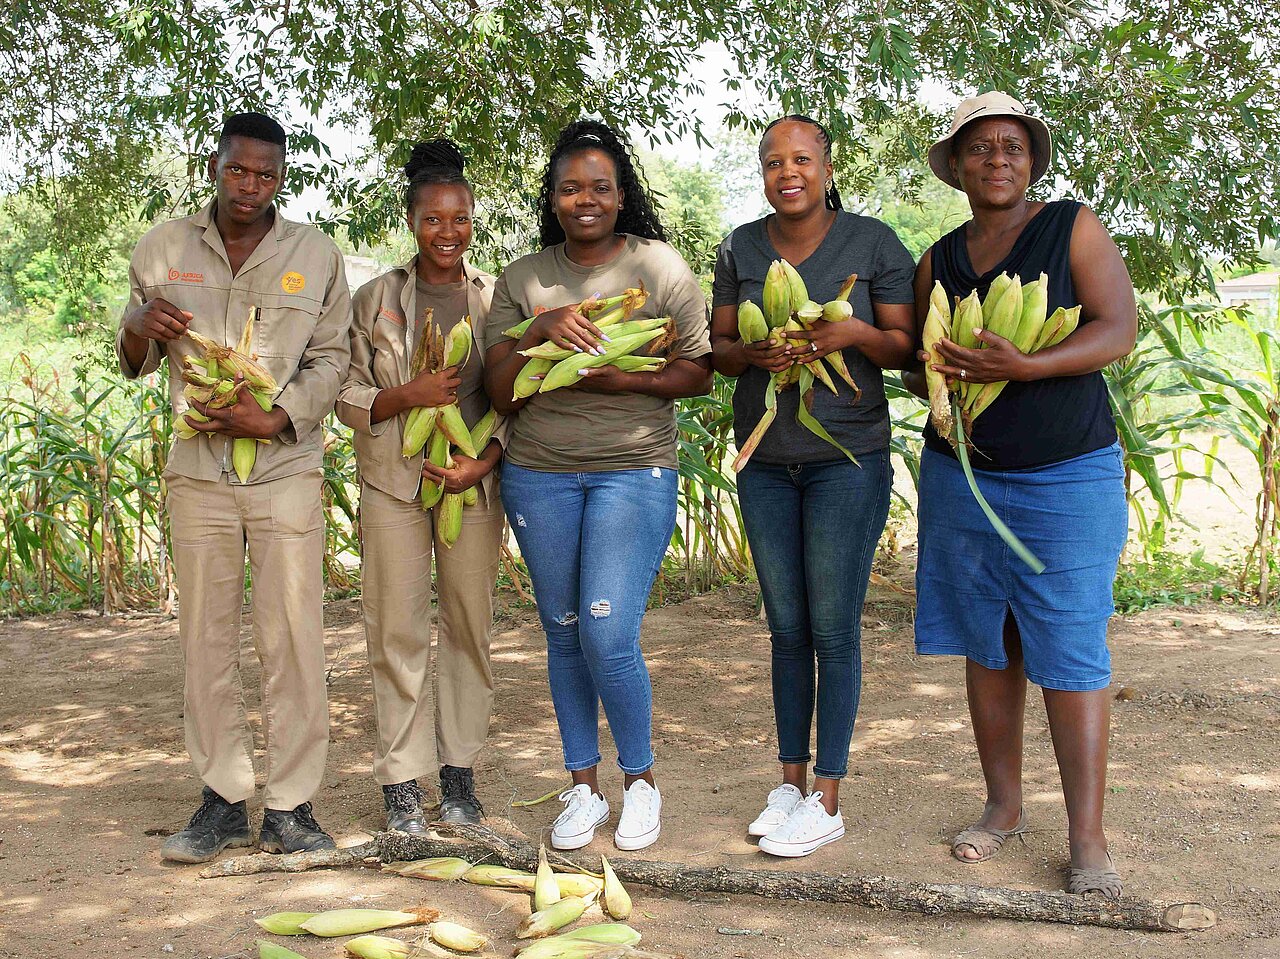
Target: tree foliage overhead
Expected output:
[1167,119]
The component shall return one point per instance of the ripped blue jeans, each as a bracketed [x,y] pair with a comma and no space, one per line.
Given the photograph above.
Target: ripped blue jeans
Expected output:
[593,543]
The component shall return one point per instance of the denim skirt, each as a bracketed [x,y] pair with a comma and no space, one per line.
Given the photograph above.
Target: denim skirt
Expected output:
[1073,515]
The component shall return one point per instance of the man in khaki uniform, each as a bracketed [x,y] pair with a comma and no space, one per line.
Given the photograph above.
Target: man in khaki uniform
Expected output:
[205,273]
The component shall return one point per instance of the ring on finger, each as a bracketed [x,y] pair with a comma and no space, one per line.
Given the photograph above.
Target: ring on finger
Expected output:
[813,347]
[964,374]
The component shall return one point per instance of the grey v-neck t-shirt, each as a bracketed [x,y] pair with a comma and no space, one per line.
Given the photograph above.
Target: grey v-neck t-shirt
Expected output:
[854,244]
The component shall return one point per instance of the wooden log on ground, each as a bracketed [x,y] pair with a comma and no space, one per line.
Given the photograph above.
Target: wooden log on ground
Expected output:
[510,848]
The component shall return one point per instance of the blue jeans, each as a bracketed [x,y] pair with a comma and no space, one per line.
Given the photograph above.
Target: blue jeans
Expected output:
[593,543]
[813,530]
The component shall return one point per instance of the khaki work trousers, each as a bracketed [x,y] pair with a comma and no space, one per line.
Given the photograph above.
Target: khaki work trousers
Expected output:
[282,523]
[396,545]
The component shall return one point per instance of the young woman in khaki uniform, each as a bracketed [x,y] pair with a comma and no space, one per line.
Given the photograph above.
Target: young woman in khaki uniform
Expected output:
[397,535]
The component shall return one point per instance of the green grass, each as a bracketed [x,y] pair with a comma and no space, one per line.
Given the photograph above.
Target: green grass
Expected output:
[1177,579]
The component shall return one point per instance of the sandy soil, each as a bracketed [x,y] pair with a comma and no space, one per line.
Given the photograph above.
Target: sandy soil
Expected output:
[93,772]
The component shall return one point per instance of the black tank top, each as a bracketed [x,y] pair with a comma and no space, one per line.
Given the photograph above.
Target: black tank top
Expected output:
[1043,421]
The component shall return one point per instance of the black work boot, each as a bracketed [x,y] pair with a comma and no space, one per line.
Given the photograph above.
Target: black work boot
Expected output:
[458,802]
[292,830]
[403,802]
[216,825]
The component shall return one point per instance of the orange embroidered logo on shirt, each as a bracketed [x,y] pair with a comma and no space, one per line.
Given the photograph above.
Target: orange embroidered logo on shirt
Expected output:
[393,317]
[292,282]
[185,277]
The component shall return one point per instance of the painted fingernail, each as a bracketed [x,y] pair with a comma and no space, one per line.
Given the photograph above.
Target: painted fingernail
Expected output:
[583,372]
[605,338]
[576,347]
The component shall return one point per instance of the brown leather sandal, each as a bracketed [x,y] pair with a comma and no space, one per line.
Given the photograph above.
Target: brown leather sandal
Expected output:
[985,841]
[1105,882]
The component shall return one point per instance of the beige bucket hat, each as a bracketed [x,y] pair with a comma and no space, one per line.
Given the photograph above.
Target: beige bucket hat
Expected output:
[993,104]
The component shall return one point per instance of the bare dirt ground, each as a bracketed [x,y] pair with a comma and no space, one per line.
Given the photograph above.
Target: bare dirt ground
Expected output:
[93,773]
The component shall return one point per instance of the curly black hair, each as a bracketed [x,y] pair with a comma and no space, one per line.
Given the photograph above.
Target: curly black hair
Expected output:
[637,215]
[436,161]
[833,195]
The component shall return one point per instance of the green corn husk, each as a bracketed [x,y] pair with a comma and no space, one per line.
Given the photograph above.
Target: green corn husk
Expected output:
[185,430]
[482,431]
[766,420]
[285,923]
[639,364]
[809,313]
[525,385]
[968,316]
[470,497]
[350,922]
[995,293]
[244,453]
[270,950]
[417,429]
[561,947]
[806,418]
[776,298]
[751,323]
[606,933]
[617,901]
[450,422]
[498,876]
[1058,327]
[568,371]
[449,519]
[458,343]
[556,916]
[550,351]
[601,312]
[379,947]
[937,326]
[1035,302]
[441,869]
[438,454]
[799,293]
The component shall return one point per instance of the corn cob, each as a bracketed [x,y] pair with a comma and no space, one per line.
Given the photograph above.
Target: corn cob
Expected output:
[1005,316]
[449,519]
[450,422]
[799,294]
[442,869]
[550,351]
[601,312]
[1058,327]
[456,937]
[559,947]
[791,375]
[995,291]
[937,326]
[545,890]
[968,316]
[617,902]
[184,429]
[269,950]
[244,453]
[608,933]
[751,324]
[837,311]
[284,923]
[639,364]
[438,455]
[378,947]
[458,343]
[546,921]
[570,883]
[498,876]
[417,429]
[525,385]
[777,296]
[230,362]
[569,371]
[1033,302]
[349,922]
[482,431]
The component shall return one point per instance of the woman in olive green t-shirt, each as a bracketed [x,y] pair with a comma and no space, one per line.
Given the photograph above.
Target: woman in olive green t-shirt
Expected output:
[589,482]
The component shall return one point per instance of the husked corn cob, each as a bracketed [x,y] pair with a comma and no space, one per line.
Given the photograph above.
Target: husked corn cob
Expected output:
[449,519]
[349,922]
[545,890]
[285,923]
[456,937]
[378,947]
[441,869]
[617,902]
[556,916]
[270,950]
[751,323]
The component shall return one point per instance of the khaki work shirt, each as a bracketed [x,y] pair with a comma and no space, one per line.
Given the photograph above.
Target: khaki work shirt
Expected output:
[382,344]
[296,276]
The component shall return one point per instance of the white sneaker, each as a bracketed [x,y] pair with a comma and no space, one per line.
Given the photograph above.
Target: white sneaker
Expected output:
[583,811]
[806,829]
[780,804]
[641,818]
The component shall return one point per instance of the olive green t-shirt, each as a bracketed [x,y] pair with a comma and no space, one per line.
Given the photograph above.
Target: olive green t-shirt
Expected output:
[449,303]
[572,430]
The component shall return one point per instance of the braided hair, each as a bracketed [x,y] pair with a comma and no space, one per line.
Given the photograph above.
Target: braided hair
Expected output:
[436,161]
[636,216]
[832,195]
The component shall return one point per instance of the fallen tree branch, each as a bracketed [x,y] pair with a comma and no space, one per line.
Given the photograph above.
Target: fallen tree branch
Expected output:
[481,844]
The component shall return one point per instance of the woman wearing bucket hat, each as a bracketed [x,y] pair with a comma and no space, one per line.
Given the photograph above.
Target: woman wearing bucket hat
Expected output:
[1047,458]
